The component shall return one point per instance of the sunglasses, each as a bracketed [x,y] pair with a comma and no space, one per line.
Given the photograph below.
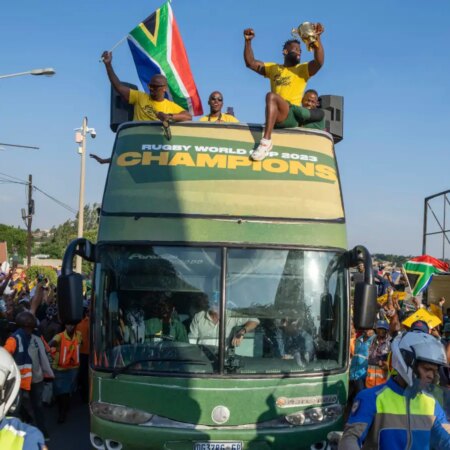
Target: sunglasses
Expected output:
[219,99]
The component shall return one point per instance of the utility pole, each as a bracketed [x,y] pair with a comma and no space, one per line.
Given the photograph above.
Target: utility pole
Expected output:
[80,138]
[29,218]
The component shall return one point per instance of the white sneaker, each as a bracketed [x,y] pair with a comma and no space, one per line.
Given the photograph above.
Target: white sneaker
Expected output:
[263,149]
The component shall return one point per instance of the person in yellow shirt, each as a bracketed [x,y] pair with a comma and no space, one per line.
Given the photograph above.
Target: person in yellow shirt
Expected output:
[287,84]
[153,106]
[216,115]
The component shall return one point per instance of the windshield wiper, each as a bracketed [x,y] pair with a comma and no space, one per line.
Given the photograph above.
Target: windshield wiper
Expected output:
[123,369]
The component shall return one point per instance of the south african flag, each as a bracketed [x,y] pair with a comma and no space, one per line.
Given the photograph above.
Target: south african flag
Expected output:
[157,48]
[420,271]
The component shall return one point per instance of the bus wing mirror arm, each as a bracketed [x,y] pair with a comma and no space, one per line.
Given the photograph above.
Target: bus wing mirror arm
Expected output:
[81,247]
[365,305]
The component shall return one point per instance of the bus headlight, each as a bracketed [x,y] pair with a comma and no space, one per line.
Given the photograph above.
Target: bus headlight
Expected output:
[315,415]
[296,418]
[119,413]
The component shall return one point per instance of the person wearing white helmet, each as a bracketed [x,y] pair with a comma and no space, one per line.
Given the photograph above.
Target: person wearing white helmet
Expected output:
[14,434]
[402,413]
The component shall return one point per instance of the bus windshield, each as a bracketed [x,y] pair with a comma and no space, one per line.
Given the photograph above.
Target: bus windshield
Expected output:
[219,310]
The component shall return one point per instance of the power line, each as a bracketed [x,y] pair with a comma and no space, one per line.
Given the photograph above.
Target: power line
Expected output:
[20,146]
[3,181]
[60,203]
[12,180]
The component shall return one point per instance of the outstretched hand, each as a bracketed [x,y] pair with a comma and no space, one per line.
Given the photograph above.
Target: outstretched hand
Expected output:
[107,57]
[97,158]
[249,34]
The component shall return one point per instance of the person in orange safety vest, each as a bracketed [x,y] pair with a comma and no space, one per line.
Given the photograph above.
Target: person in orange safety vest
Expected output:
[66,361]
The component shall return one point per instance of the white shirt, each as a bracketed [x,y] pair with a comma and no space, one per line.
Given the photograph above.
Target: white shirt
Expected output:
[204,331]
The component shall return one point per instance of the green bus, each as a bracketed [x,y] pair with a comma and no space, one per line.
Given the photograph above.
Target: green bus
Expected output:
[220,313]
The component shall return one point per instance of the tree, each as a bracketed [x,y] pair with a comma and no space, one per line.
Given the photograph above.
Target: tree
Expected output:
[60,236]
[15,238]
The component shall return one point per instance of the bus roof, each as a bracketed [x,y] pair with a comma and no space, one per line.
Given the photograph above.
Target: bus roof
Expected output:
[204,170]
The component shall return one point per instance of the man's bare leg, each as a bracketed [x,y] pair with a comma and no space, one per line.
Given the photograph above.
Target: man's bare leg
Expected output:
[277,110]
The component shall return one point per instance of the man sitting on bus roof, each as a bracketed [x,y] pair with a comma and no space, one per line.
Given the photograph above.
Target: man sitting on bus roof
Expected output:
[311,116]
[216,115]
[153,106]
[287,83]
[204,327]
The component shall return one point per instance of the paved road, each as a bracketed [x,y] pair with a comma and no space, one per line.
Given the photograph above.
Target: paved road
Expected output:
[74,433]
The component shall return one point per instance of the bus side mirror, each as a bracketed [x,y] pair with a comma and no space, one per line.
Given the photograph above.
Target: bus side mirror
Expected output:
[326,317]
[70,283]
[365,306]
[70,298]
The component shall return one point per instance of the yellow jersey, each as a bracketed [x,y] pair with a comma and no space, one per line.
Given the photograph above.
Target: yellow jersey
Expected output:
[145,108]
[288,82]
[228,118]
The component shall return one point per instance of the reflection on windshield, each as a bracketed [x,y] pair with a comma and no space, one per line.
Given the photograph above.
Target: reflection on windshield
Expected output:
[160,309]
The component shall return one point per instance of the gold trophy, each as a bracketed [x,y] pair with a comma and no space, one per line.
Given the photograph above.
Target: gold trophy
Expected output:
[307,33]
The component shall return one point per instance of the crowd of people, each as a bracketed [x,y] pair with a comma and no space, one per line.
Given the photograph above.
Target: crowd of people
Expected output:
[52,358]
[394,369]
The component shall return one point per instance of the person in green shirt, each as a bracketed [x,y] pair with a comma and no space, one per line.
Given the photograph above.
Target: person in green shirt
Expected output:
[162,325]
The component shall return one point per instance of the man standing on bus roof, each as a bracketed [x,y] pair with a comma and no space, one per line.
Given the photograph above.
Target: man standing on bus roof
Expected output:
[287,82]
[153,106]
[216,115]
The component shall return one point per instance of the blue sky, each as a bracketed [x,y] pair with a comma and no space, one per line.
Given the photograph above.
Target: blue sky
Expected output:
[389,60]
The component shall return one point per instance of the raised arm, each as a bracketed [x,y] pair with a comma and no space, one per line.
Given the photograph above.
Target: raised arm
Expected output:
[249,58]
[117,85]
[319,55]
[100,160]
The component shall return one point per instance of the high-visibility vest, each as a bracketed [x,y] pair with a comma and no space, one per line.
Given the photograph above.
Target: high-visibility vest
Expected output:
[17,344]
[16,435]
[392,421]
[376,375]
[389,417]
[11,439]
[69,351]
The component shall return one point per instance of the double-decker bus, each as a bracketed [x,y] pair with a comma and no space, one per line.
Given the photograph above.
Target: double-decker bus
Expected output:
[220,313]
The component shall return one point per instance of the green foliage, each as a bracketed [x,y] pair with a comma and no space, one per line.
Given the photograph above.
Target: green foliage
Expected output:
[398,260]
[15,238]
[61,236]
[33,271]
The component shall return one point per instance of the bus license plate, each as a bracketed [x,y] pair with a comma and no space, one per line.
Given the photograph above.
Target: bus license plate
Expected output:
[217,445]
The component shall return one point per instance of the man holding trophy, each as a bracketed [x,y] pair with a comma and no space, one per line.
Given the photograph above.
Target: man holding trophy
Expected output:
[287,83]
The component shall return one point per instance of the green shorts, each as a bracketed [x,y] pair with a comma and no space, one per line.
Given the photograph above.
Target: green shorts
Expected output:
[296,117]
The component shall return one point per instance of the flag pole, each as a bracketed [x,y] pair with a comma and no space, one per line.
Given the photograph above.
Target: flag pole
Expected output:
[115,46]
[407,279]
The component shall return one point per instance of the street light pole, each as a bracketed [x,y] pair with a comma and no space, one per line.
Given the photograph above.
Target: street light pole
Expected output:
[80,138]
[49,71]
[81,197]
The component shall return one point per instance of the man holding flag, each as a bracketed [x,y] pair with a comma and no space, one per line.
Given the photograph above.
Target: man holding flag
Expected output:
[152,106]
